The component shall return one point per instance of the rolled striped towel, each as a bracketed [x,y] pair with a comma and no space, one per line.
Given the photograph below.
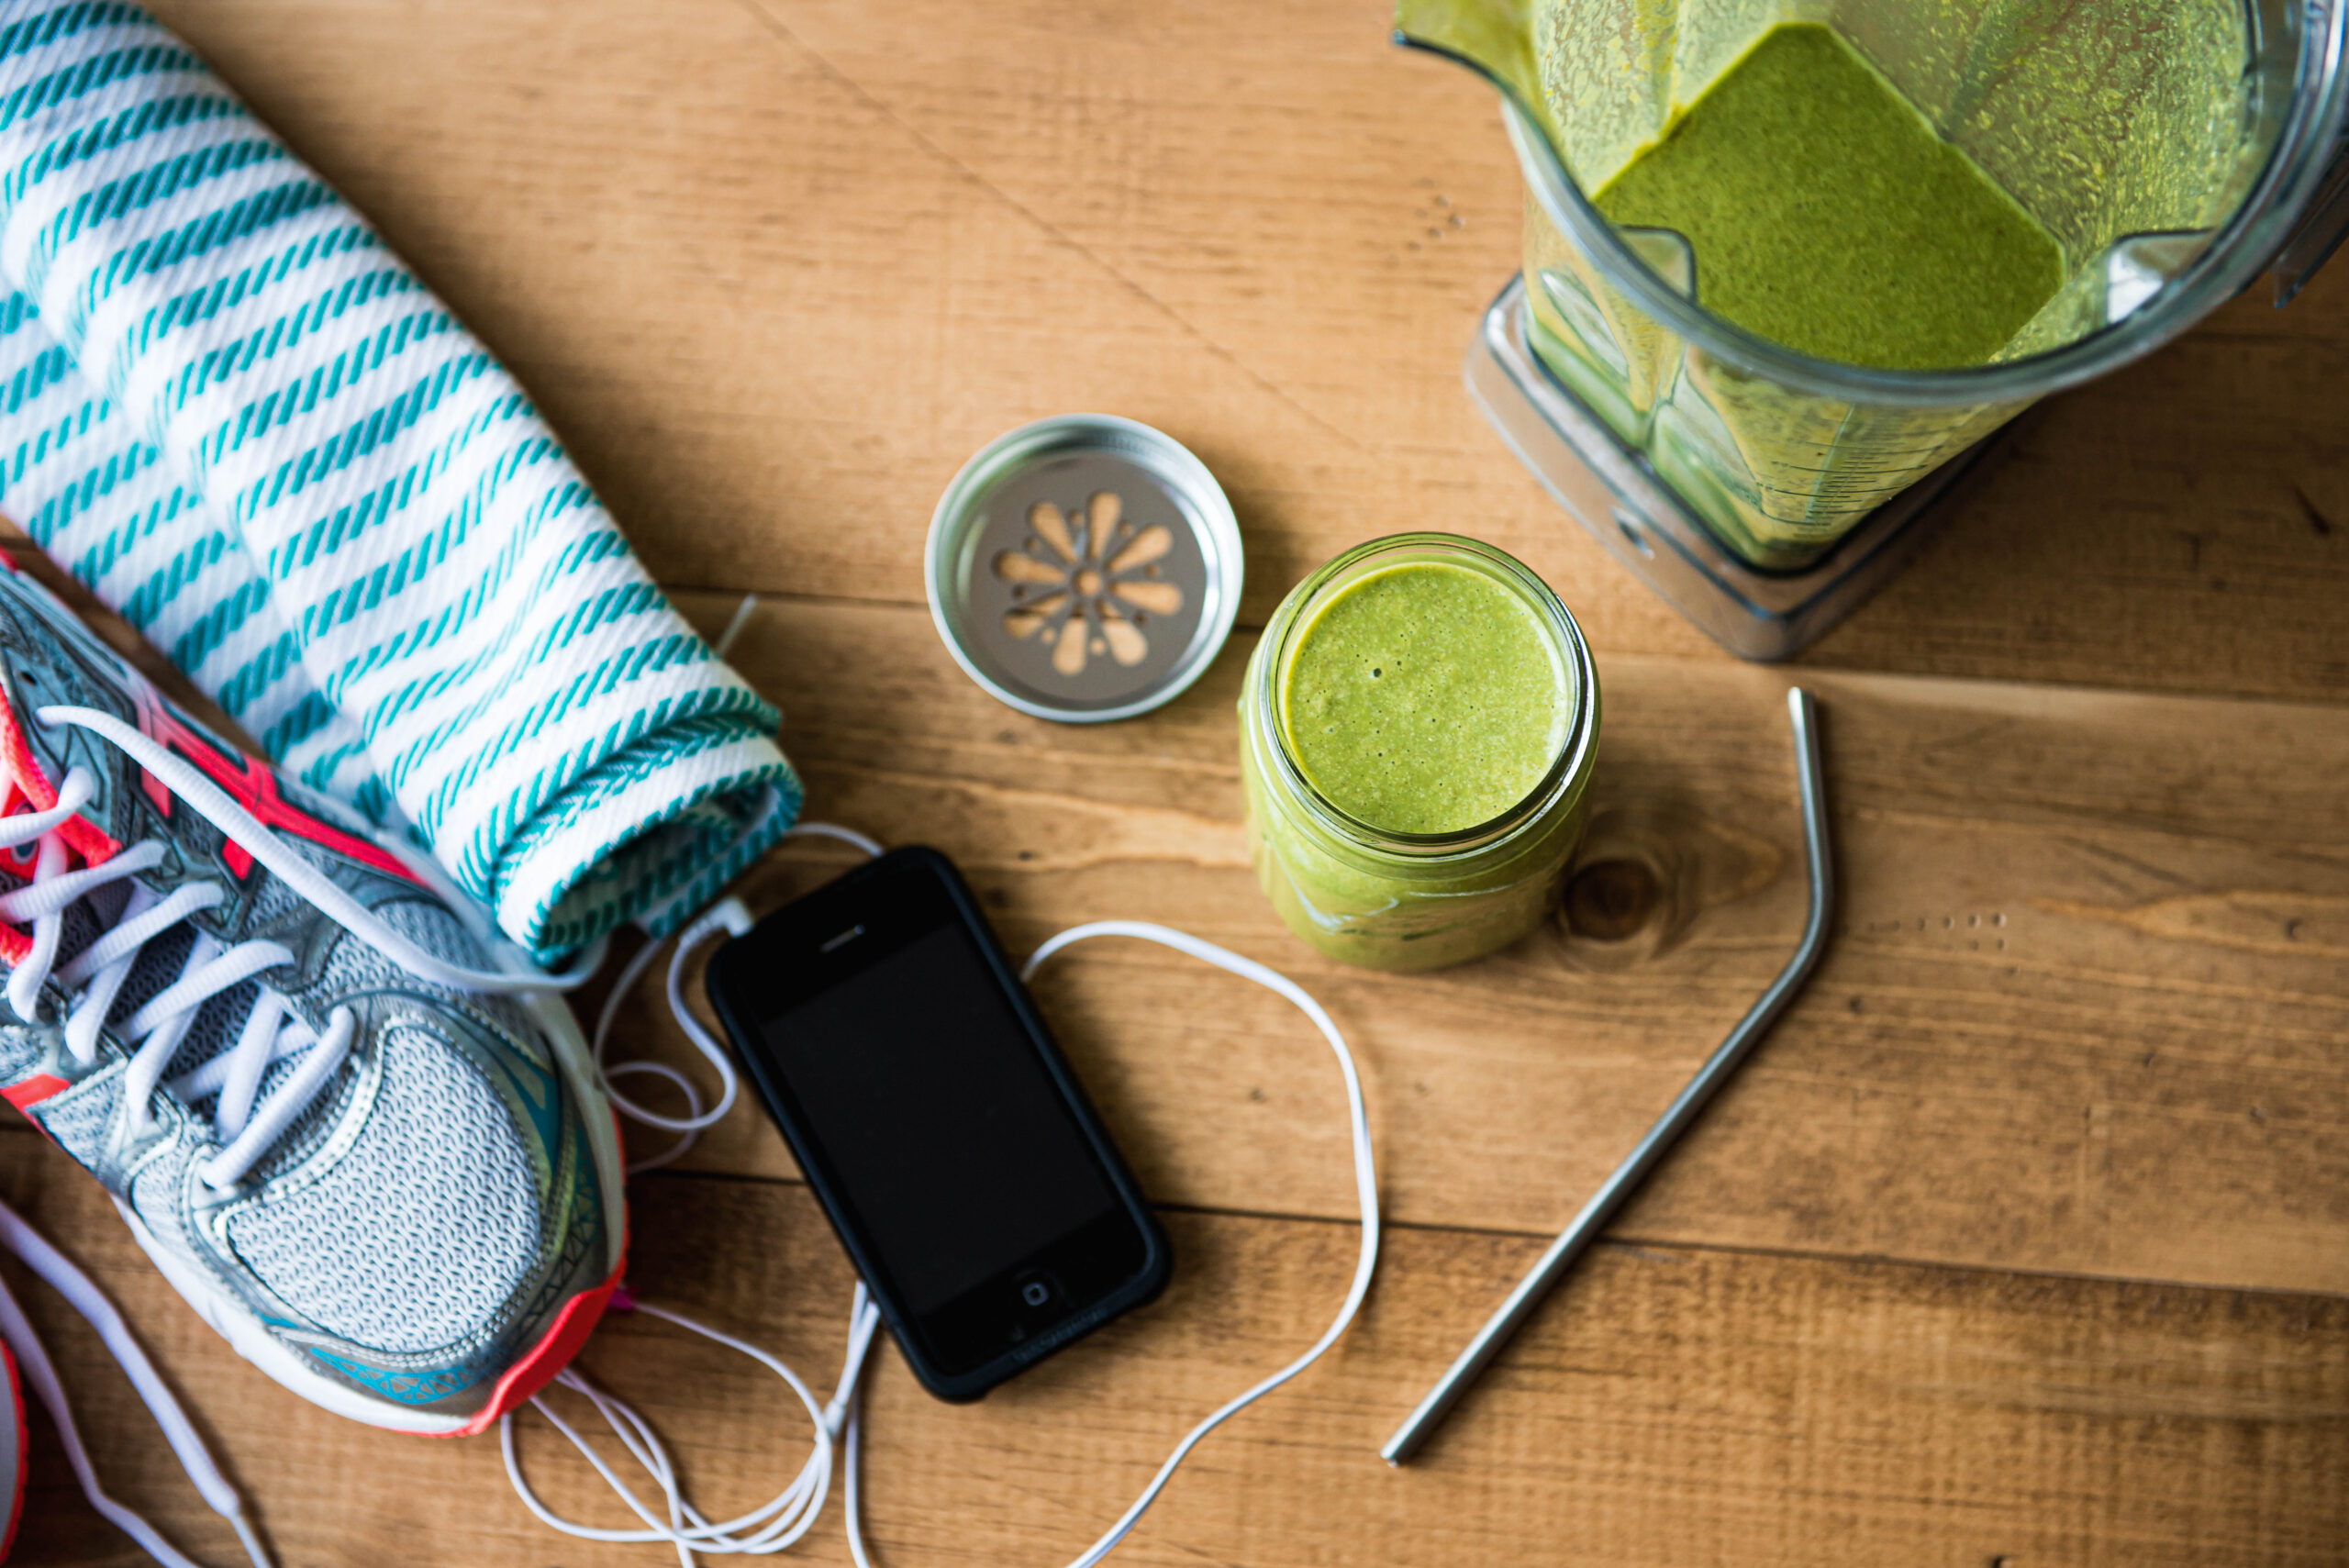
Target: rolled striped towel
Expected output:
[230,410]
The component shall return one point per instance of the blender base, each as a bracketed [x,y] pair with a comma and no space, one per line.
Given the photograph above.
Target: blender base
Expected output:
[1610,490]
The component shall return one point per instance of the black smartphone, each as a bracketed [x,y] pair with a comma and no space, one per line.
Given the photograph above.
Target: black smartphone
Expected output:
[970,1180]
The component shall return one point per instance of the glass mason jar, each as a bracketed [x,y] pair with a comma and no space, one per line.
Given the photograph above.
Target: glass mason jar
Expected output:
[1405,901]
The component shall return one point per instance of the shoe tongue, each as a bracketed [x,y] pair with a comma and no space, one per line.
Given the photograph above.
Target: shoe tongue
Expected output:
[158,964]
[217,1023]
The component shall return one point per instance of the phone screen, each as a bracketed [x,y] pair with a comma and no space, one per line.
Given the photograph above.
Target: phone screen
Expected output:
[924,1090]
[950,1146]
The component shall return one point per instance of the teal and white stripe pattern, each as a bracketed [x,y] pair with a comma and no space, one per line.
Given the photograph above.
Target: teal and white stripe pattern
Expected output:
[229,409]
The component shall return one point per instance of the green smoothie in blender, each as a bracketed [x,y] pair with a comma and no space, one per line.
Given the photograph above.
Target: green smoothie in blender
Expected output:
[1795,259]
[1827,215]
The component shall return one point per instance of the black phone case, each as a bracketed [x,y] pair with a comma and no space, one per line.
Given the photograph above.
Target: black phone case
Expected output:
[1157,1256]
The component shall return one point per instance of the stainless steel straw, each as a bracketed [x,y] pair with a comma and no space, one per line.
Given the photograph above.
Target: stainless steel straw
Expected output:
[1577,1237]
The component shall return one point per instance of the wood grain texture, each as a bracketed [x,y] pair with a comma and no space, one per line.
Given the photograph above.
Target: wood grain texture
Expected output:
[2025,1239]
[1673,1405]
[775,269]
[2079,932]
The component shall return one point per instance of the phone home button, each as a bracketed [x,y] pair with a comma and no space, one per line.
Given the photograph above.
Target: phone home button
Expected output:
[1038,1289]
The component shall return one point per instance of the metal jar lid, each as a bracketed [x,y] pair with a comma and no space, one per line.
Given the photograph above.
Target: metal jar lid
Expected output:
[1084,568]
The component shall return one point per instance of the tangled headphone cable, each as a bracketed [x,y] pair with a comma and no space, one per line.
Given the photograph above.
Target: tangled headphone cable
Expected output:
[791,1513]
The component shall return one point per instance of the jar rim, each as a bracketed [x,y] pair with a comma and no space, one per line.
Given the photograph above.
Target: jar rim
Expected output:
[1569,764]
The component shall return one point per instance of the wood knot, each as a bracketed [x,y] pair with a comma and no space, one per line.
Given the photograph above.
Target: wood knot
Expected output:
[1611,900]
[1651,864]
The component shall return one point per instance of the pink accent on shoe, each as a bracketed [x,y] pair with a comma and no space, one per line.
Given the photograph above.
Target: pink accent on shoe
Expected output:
[32,1091]
[24,1454]
[25,784]
[254,785]
[550,1355]
[38,789]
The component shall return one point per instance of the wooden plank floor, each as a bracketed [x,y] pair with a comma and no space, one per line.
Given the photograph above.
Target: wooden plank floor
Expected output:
[2024,1241]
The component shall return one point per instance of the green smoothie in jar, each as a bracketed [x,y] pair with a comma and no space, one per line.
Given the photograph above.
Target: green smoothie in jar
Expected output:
[1417,730]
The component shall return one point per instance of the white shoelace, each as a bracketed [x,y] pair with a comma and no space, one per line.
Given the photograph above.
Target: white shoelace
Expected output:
[271,1032]
[791,1513]
[726,915]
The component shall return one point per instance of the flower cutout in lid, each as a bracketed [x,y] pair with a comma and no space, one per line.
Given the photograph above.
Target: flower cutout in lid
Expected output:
[1086,586]
[1084,568]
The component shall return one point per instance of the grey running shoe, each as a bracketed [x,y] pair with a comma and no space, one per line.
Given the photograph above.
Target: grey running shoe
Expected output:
[382,1169]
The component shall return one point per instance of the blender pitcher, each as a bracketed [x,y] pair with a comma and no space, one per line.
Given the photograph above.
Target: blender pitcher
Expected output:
[2172,148]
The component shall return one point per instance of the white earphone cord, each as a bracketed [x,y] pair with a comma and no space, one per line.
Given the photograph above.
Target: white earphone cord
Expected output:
[32,1359]
[792,1512]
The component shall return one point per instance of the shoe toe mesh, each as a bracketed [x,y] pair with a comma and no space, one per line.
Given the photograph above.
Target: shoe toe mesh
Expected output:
[417,1238]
